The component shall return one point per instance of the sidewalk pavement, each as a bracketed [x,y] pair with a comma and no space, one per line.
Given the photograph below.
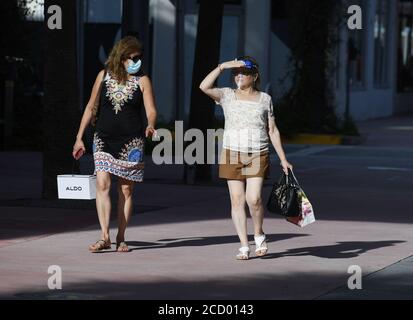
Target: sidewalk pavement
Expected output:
[390,132]
[184,244]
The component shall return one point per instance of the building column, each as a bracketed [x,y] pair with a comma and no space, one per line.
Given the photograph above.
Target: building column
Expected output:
[162,13]
[393,50]
[135,19]
[368,25]
[80,51]
[258,35]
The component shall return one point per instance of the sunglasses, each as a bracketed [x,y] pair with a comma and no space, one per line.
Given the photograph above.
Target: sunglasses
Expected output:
[135,58]
[250,68]
[244,71]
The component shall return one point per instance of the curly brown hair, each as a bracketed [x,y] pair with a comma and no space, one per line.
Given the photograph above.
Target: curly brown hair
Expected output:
[121,51]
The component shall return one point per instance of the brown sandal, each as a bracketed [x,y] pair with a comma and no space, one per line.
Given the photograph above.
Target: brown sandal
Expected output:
[100,245]
[122,247]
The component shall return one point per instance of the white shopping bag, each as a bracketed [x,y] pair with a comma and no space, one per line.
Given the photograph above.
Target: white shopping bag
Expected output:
[76,186]
[306,216]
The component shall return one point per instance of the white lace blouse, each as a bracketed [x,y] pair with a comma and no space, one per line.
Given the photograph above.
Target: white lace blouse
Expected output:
[246,122]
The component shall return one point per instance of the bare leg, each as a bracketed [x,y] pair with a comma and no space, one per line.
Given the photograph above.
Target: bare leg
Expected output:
[103,203]
[238,213]
[125,207]
[254,201]
[103,206]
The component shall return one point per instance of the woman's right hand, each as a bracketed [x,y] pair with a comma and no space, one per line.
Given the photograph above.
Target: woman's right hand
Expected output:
[78,149]
[233,64]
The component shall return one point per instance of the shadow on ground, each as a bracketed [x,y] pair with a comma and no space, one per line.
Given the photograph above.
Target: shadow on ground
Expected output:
[200,241]
[339,250]
[297,285]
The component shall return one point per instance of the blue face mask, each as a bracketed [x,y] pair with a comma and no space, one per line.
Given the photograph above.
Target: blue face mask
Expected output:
[133,67]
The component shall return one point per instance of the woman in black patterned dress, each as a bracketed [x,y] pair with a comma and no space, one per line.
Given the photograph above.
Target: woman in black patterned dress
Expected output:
[119,139]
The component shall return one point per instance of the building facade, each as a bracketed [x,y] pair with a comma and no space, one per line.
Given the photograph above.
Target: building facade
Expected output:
[380,73]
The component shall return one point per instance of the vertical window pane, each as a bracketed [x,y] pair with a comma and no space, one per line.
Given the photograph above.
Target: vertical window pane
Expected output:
[381,42]
[405,52]
[356,50]
[103,11]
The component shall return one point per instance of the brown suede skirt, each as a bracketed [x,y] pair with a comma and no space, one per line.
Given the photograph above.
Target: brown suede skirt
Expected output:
[236,165]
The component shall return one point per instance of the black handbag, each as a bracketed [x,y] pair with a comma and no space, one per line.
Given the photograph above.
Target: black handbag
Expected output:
[284,199]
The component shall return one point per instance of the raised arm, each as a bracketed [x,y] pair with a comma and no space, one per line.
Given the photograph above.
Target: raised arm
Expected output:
[207,85]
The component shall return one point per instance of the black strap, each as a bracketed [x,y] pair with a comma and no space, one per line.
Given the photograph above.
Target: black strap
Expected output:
[73,166]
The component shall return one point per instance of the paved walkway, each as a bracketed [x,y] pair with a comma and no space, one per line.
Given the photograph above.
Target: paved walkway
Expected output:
[183,241]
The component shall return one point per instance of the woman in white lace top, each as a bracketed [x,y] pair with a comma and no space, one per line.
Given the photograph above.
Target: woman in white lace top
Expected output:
[244,162]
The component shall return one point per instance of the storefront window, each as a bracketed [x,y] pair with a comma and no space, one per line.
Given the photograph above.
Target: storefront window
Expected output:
[381,24]
[356,51]
[405,50]
[103,11]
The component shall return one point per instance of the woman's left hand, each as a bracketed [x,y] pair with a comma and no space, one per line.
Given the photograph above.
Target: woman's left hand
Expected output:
[286,165]
[150,131]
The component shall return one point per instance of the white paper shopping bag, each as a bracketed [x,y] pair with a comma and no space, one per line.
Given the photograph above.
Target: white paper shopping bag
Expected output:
[75,186]
[306,216]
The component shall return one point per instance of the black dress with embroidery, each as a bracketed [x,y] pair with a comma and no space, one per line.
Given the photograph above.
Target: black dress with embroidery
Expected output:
[118,142]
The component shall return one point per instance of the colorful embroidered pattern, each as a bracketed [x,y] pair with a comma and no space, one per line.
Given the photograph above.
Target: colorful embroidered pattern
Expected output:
[128,170]
[133,151]
[130,164]
[119,94]
[98,143]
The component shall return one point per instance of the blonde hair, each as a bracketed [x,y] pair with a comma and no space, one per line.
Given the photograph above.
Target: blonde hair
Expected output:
[121,51]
